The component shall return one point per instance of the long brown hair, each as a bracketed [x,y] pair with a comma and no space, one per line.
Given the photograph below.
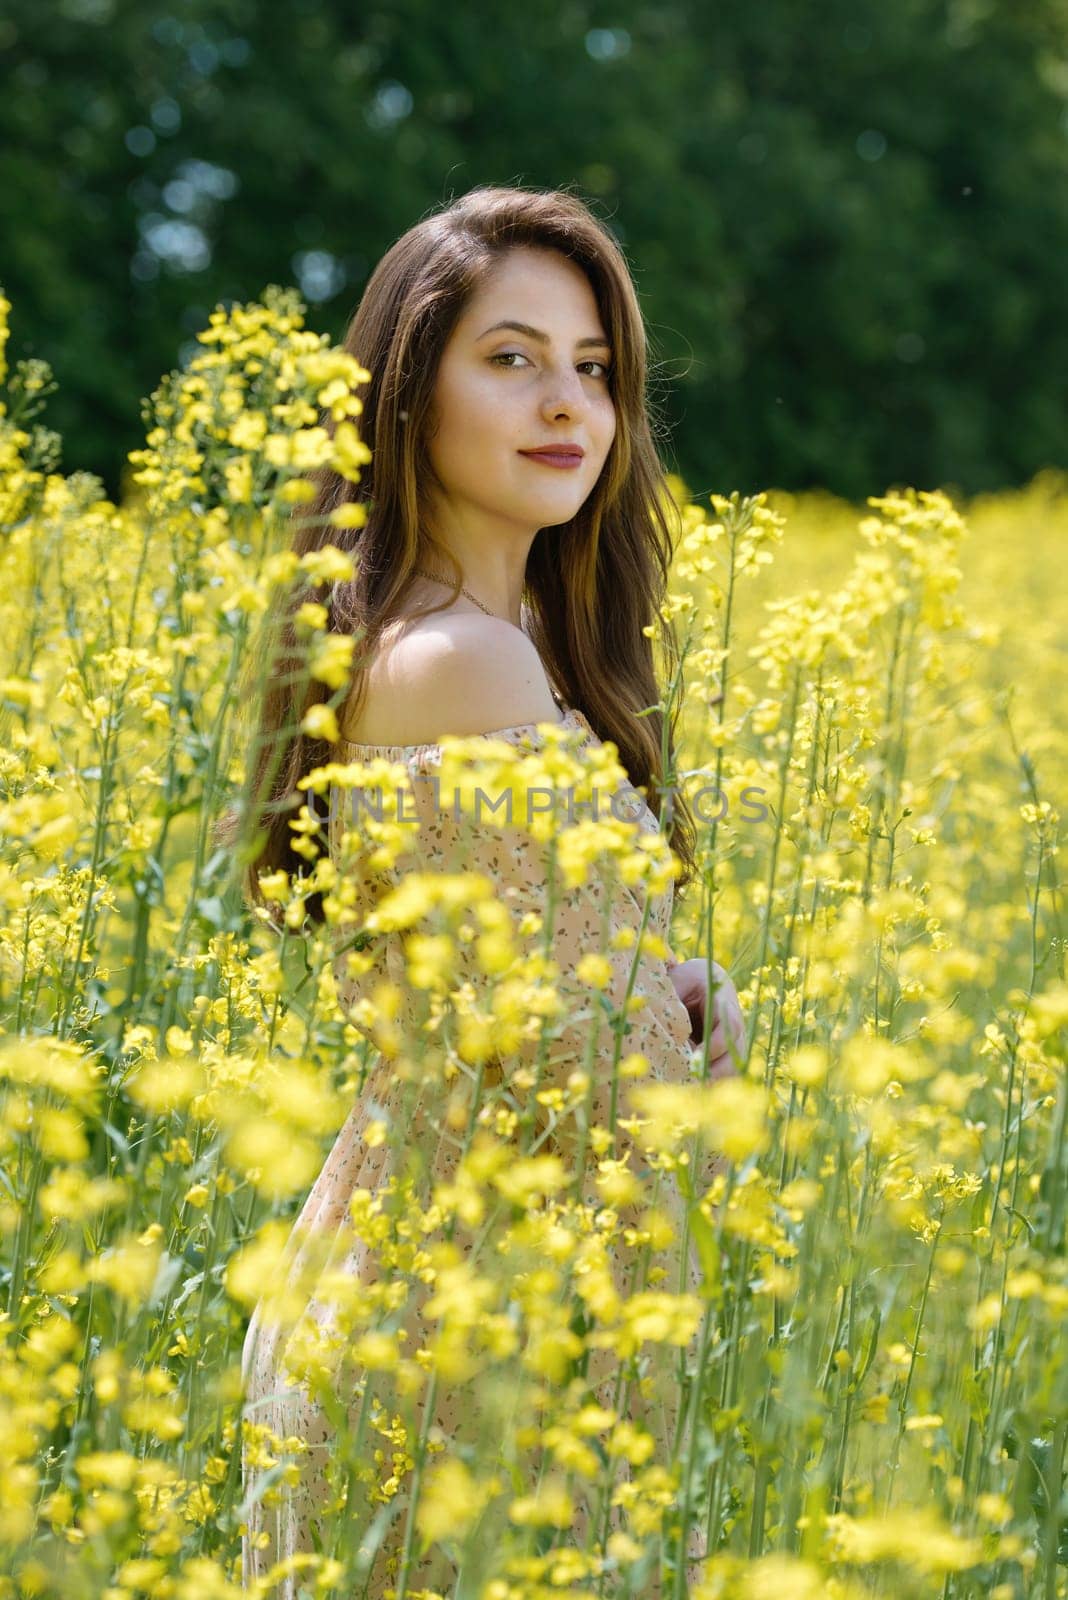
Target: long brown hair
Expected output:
[593,585]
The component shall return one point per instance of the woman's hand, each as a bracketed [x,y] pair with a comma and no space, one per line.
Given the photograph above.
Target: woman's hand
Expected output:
[690,979]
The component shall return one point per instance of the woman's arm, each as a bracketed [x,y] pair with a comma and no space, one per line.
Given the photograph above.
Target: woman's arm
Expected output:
[690,980]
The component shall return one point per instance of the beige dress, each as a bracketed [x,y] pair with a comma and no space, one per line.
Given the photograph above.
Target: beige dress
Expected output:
[660,1031]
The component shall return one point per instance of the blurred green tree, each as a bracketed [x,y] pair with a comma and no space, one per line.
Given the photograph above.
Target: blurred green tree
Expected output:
[848,227]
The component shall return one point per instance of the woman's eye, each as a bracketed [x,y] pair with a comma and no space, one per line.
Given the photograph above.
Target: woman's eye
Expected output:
[511,355]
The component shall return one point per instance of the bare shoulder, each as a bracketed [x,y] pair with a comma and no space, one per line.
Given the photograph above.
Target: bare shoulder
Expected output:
[460,674]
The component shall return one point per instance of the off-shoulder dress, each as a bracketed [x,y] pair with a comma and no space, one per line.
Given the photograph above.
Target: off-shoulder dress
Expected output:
[660,1030]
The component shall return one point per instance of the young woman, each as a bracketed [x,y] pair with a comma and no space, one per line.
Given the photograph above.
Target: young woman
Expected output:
[514,552]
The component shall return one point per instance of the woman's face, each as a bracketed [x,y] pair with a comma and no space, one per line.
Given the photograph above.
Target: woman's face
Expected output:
[501,391]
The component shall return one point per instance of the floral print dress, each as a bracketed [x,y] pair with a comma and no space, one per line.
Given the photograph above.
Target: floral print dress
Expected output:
[660,1030]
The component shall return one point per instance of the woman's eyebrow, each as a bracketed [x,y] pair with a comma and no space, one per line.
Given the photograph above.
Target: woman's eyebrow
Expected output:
[542,338]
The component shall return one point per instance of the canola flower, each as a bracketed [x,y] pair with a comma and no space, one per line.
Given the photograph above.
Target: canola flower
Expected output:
[871,1370]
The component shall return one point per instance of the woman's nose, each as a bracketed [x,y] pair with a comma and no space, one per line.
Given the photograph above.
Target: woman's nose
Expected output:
[564,393]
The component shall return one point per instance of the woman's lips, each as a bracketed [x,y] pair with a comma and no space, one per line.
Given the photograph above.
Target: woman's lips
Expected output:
[548,459]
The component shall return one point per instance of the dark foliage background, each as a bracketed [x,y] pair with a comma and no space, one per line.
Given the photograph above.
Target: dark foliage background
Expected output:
[848,222]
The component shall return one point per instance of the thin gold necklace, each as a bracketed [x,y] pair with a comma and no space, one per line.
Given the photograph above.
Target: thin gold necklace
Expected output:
[434,579]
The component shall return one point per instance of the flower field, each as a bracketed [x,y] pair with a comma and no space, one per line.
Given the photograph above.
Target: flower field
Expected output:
[871,1372]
